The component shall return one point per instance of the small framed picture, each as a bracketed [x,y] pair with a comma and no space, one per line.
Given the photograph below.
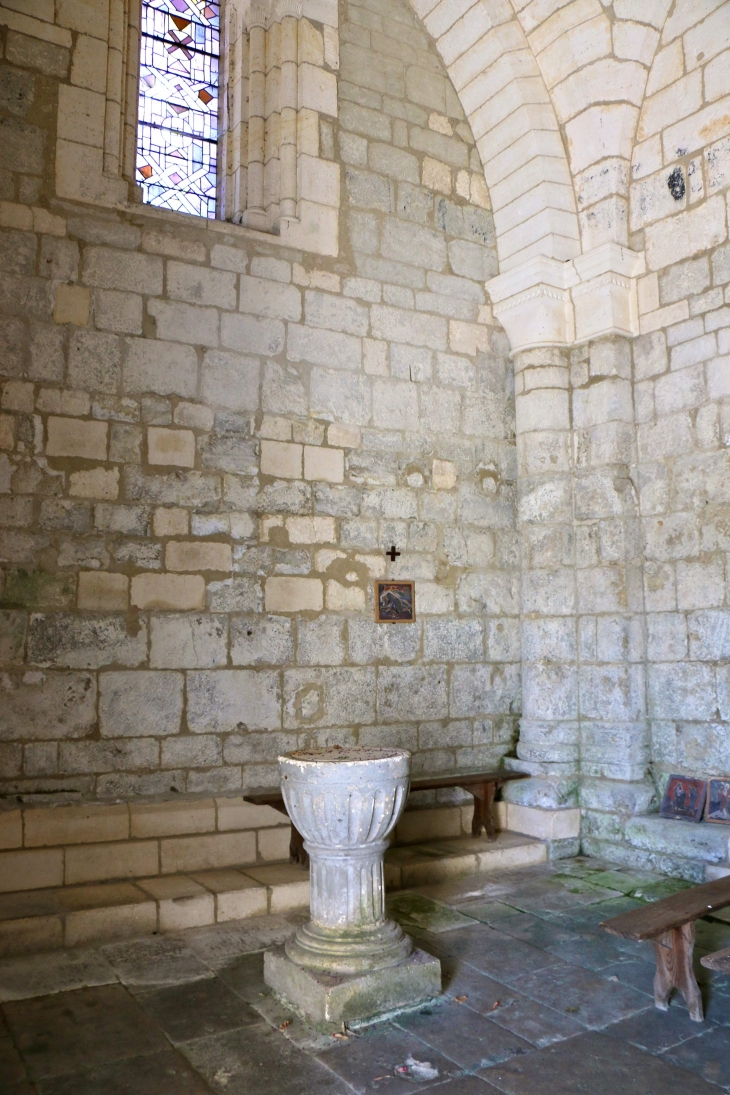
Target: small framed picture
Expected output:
[684,798]
[395,602]
[718,801]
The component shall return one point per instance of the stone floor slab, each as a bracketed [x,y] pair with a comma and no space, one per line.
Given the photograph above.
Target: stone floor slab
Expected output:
[537,932]
[197,1009]
[707,1055]
[493,952]
[415,912]
[464,1085]
[80,1029]
[39,975]
[143,963]
[550,897]
[638,975]
[488,912]
[464,1036]
[370,1062]
[166,1073]
[591,952]
[654,1030]
[536,1023]
[258,1059]
[224,943]
[589,917]
[592,1001]
[245,976]
[594,1064]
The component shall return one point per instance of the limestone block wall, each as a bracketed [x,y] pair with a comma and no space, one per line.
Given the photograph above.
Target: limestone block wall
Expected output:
[210,435]
[210,438]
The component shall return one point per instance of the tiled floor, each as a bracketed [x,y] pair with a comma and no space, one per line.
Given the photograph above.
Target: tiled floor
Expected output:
[537,1001]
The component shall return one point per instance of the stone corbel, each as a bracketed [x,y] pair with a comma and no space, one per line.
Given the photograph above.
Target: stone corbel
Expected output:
[545,302]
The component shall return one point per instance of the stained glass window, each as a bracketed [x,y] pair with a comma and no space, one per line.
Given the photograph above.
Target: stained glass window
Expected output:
[178,104]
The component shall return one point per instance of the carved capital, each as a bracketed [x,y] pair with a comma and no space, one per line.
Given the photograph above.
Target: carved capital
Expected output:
[544,302]
[532,302]
[259,15]
[288,8]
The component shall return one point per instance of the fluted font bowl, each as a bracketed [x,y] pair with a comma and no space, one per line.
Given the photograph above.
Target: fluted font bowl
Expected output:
[345,802]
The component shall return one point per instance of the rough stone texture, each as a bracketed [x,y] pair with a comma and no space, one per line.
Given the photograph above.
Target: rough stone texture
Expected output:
[213,474]
[358,350]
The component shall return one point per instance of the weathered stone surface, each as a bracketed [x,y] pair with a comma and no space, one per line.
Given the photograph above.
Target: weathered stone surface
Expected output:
[331,1001]
[136,704]
[228,429]
[85,643]
[48,706]
[233,699]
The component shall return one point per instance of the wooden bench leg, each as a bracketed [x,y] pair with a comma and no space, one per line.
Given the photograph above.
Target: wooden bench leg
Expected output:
[297,852]
[674,970]
[483,800]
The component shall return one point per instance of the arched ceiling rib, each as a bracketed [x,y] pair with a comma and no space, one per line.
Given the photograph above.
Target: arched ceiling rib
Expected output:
[553,92]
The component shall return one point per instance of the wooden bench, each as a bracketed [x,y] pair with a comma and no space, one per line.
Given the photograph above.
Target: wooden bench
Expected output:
[670,924]
[482,785]
[718,960]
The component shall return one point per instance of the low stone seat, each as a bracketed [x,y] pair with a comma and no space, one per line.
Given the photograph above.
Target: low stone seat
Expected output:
[688,851]
[483,785]
[670,925]
[71,916]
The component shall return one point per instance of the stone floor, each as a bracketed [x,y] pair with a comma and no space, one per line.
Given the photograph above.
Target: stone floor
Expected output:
[537,1001]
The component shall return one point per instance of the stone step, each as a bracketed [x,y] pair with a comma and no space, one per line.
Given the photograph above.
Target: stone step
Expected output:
[422,864]
[69,916]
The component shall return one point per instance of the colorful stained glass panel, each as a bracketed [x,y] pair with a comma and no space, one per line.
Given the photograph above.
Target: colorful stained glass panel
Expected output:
[177,136]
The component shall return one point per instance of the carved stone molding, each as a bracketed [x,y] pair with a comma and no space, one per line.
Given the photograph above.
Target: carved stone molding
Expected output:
[544,302]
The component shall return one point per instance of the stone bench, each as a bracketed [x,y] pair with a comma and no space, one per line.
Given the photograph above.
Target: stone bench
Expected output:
[670,924]
[482,785]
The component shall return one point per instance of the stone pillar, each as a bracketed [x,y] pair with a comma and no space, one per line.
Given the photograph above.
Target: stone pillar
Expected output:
[583,731]
[549,733]
[291,11]
[614,745]
[255,214]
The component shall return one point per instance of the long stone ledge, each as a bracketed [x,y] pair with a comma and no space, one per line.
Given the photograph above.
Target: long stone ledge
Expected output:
[53,917]
[51,845]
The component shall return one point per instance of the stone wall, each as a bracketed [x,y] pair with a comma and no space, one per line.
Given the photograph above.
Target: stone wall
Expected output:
[210,439]
[211,435]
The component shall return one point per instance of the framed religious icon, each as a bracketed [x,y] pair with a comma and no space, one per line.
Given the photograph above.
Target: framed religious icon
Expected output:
[684,798]
[395,602]
[718,801]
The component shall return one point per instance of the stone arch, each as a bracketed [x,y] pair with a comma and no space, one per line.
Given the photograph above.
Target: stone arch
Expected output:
[553,95]
[493,70]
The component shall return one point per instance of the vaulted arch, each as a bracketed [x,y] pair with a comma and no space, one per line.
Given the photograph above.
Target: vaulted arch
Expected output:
[494,72]
[553,92]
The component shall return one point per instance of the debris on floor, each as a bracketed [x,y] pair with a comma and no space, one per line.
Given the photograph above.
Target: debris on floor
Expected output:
[416,1070]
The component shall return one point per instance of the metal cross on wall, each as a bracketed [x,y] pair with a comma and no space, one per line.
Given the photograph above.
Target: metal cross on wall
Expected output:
[392,553]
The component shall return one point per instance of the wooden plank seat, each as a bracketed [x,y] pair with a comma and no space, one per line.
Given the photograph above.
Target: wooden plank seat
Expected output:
[482,785]
[718,960]
[670,924]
